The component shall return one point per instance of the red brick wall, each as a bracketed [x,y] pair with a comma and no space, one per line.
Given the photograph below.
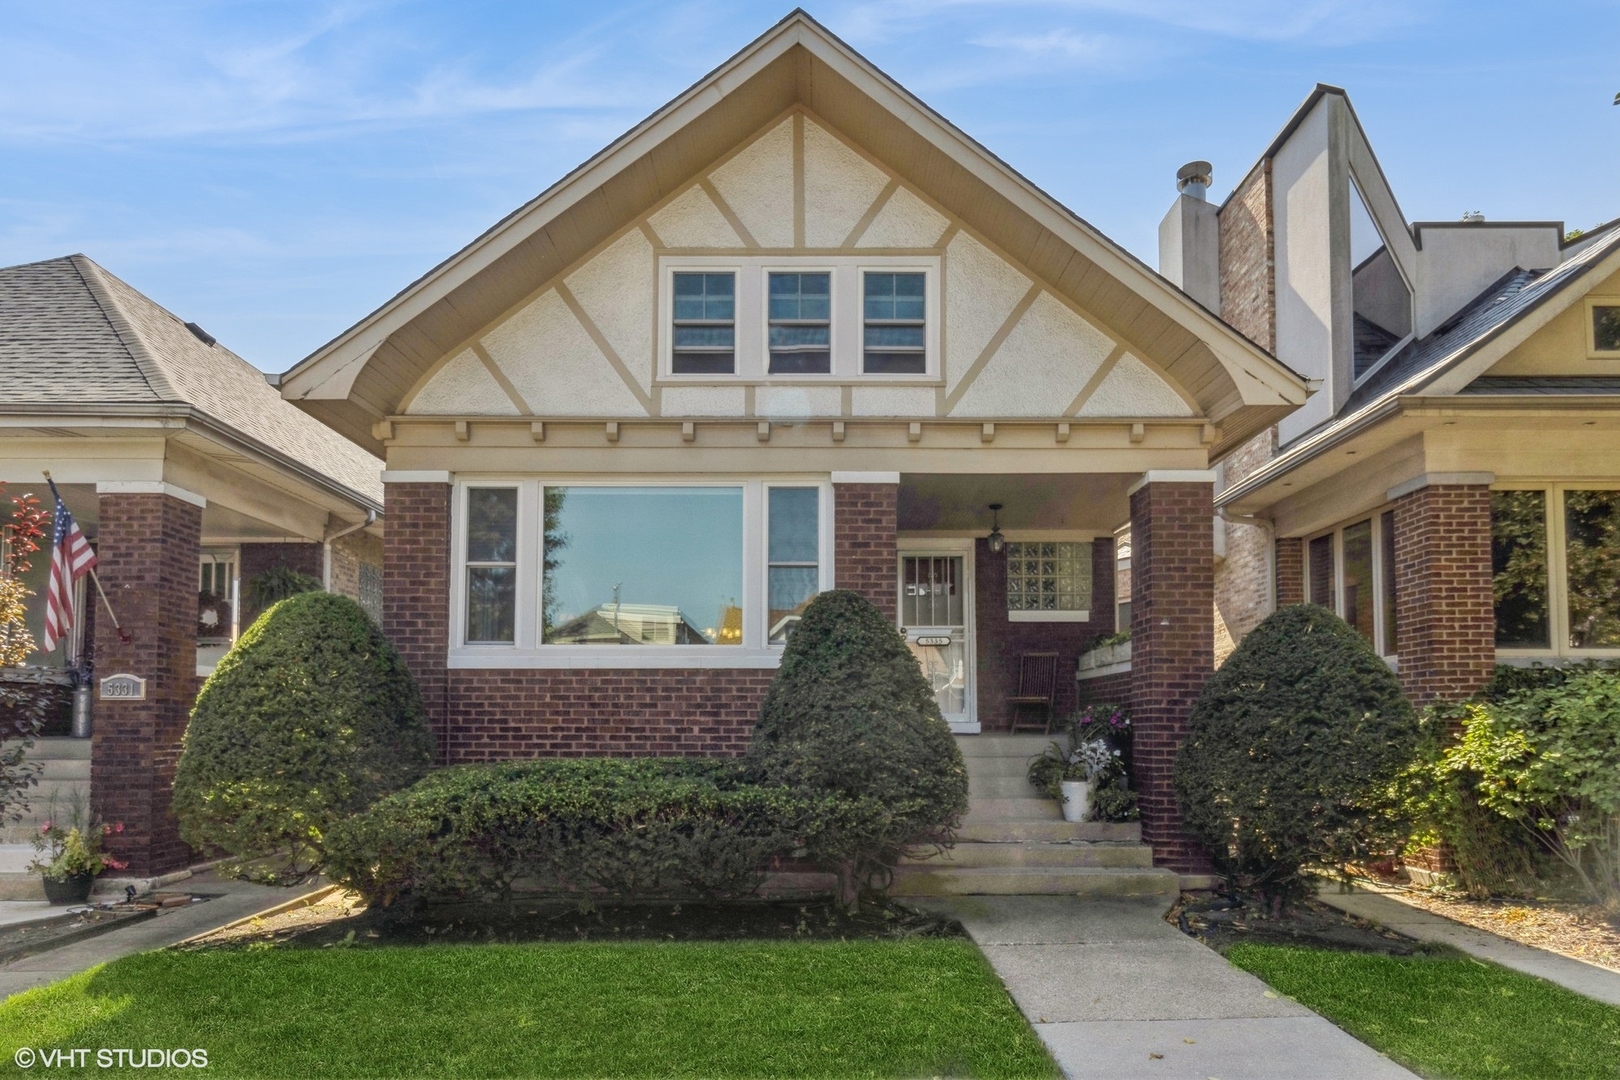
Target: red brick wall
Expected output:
[147,549]
[610,712]
[865,558]
[1172,650]
[1000,642]
[1290,570]
[416,588]
[1445,616]
[1248,265]
[1107,689]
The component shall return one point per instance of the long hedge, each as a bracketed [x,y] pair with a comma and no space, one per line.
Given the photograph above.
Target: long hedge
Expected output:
[593,826]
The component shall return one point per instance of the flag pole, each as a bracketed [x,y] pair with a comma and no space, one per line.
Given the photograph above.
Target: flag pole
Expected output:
[123,635]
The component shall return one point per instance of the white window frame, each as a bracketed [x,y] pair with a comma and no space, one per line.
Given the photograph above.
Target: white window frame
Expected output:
[1383,517]
[1592,351]
[528,651]
[1557,573]
[752,335]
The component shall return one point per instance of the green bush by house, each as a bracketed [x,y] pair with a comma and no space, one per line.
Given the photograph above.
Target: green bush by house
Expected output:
[1293,752]
[310,718]
[630,827]
[849,714]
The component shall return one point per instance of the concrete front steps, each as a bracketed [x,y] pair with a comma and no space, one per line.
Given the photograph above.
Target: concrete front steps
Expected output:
[1015,842]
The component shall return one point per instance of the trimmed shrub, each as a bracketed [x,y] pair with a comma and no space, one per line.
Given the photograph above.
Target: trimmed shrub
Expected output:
[1293,754]
[596,827]
[850,714]
[312,717]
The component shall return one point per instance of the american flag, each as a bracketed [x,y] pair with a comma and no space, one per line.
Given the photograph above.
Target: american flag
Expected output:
[71,559]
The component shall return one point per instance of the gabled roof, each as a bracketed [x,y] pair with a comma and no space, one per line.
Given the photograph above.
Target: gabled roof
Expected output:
[74,339]
[361,375]
[1452,360]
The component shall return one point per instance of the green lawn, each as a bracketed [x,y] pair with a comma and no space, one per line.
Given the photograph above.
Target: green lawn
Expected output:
[1451,1017]
[754,1009]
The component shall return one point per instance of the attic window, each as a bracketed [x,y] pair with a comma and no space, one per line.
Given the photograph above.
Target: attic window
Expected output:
[1606,328]
[705,341]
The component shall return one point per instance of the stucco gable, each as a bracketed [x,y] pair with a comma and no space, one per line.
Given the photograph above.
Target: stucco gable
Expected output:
[1041,366]
[840,187]
[757,185]
[555,364]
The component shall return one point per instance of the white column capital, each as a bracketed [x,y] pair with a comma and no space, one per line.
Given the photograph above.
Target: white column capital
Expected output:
[866,478]
[416,476]
[149,487]
[1172,476]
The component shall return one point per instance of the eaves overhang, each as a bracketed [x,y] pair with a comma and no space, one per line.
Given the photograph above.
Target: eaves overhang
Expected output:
[174,417]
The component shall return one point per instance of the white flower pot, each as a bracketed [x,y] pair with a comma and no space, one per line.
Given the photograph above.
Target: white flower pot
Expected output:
[1076,799]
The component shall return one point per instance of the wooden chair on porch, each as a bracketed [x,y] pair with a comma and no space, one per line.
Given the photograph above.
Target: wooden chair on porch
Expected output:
[1037,688]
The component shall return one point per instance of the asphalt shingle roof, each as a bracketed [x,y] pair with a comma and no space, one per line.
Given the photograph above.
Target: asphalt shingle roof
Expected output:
[71,333]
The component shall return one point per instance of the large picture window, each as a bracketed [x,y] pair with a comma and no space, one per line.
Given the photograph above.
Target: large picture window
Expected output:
[1352,571]
[689,570]
[643,566]
[1555,561]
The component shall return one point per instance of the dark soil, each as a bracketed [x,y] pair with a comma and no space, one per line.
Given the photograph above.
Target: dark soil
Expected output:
[1221,922]
[553,920]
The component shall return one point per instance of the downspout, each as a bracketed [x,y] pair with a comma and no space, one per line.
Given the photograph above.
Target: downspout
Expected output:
[326,547]
[1270,528]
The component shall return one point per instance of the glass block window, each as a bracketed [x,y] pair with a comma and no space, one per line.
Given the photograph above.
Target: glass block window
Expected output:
[705,341]
[1048,576]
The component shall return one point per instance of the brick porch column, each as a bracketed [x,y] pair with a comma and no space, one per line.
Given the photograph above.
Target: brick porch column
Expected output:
[866,521]
[1290,570]
[1445,625]
[1172,643]
[148,540]
[416,585]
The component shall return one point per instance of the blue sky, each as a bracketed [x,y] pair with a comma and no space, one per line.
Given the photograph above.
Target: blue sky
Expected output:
[274,170]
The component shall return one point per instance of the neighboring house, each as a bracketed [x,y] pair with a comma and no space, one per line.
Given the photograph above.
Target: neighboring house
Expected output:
[1453,490]
[191,477]
[793,332]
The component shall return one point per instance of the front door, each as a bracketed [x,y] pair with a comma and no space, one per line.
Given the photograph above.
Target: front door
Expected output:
[936,615]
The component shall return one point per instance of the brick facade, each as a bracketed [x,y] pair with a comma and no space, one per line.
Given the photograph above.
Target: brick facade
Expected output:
[1000,642]
[1243,577]
[610,712]
[1290,570]
[256,559]
[1247,260]
[866,522]
[1172,650]
[1445,617]
[416,589]
[147,551]
[348,554]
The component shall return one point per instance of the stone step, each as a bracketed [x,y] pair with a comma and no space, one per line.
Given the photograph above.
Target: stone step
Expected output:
[1031,808]
[1019,832]
[63,769]
[979,856]
[997,746]
[1001,787]
[60,748]
[1087,881]
[997,766]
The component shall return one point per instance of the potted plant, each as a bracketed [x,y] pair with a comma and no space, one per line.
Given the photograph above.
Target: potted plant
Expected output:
[71,857]
[1068,774]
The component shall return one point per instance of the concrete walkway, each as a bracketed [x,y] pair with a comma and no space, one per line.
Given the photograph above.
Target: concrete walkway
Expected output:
[1116,992]
[1388,912]
[236,900]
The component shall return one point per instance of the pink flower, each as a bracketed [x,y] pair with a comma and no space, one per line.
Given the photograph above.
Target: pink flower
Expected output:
[114,863]
[45,828]
[119,828]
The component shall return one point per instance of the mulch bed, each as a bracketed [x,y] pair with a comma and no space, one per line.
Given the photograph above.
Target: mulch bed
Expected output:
[342,919]
[1222,922]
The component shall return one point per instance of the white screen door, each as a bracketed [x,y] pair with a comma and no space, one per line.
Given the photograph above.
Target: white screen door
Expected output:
[935,615]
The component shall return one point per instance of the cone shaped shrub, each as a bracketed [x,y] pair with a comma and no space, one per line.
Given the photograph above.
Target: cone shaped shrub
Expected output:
[1293,752]
[312,717]
[849,713]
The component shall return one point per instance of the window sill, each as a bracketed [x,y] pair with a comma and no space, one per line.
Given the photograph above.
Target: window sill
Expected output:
[625,657]
[1049,616]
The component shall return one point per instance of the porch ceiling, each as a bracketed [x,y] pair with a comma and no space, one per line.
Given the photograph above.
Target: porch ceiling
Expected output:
[1083,502]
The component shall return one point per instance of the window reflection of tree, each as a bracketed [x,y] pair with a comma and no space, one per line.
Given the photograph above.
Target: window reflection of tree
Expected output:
[1592,551]
[555,541]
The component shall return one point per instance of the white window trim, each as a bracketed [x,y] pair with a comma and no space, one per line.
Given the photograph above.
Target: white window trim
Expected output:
[752,333]
[1557,573]
[1382,517]
[527,650]
[1592,351]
